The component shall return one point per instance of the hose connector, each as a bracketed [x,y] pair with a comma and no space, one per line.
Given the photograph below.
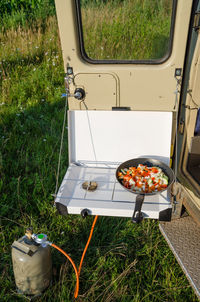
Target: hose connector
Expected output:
[41,239]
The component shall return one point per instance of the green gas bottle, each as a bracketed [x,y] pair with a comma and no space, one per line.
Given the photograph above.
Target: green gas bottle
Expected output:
[32,265]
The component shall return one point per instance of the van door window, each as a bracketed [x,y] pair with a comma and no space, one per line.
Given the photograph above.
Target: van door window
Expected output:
[126,30]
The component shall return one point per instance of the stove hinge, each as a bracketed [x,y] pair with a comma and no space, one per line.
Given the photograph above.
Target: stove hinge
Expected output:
[196,24]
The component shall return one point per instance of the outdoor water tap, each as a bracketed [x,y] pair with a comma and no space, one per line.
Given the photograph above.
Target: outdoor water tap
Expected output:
[78,94]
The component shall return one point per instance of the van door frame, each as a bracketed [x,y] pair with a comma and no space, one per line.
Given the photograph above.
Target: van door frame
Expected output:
[188,193]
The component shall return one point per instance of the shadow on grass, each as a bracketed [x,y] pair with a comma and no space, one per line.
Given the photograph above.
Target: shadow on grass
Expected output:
[23,61]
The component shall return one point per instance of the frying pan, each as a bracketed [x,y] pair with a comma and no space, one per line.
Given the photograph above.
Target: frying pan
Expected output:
[149,162]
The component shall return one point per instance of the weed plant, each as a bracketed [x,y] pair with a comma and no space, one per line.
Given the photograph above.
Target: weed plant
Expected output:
[124,262]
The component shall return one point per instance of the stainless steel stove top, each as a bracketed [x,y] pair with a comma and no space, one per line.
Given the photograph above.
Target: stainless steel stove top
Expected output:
[110,198]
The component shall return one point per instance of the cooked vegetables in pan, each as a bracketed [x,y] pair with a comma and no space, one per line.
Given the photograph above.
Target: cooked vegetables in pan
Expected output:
[143,179]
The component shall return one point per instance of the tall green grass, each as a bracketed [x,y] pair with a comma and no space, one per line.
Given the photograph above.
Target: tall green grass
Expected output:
[16,13]
[125,262]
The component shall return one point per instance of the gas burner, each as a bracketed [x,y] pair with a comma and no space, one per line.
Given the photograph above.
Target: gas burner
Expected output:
[90,185]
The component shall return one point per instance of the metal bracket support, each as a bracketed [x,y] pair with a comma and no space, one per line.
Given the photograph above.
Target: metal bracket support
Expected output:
[177,201]
[137,215]
[62,210]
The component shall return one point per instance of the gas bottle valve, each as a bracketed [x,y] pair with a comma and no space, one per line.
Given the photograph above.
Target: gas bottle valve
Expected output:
[41,239]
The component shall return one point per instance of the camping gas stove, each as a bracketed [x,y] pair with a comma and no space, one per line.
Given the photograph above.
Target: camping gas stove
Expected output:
[109,198]
[89,186]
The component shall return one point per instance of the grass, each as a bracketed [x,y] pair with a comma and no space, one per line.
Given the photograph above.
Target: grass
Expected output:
[124,262]
[24,12]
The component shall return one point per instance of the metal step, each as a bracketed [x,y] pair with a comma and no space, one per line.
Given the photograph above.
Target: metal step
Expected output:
[183,237]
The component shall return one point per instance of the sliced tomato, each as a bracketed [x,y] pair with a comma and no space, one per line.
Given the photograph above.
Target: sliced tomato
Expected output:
[138,184]
[127,177]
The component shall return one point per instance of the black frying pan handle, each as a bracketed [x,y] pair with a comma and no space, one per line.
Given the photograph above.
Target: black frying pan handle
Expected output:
[137,215]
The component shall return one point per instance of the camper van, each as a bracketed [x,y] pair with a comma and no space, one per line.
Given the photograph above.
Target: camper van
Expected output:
[134,98]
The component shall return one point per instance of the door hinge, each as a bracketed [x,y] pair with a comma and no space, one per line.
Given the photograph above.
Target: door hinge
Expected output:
[181,127]
[196,24]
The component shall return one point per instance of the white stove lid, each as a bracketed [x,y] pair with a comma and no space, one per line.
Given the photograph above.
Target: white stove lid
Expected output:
[118,136]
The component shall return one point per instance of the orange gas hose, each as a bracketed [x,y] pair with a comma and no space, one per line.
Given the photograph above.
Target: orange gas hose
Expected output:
[88,242]
[83,255]
[74,266]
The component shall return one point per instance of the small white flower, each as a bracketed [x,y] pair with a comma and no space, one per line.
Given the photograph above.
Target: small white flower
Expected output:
[36,47]
[53,63]
[17,114]
[44,139]
[46,53]
[34,69]
[24,132]
[1,104]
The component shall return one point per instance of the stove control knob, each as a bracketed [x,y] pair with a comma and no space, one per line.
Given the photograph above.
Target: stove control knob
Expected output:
[85,213]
